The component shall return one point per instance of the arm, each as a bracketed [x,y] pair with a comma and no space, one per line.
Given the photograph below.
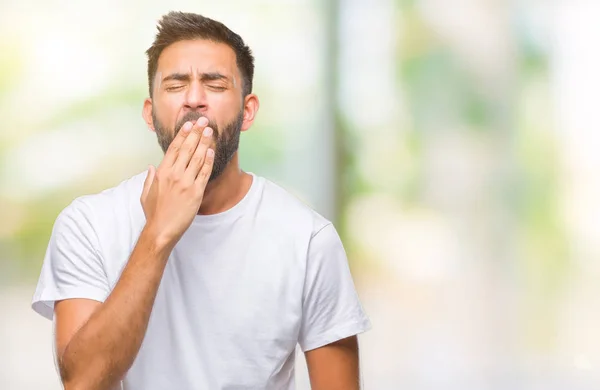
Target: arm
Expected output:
[332,315]
[103,349]
[334,366]
[97,342]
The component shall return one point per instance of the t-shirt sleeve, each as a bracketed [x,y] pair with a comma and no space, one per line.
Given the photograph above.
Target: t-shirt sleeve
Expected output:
[331,308]
[72,265]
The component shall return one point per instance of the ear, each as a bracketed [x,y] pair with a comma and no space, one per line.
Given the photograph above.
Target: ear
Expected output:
[147,114]
[251,105]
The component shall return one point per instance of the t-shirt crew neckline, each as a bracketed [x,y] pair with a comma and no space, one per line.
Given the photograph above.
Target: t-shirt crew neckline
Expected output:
[232,213]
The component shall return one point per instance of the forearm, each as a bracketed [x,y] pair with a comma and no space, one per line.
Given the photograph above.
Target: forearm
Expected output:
[102,351]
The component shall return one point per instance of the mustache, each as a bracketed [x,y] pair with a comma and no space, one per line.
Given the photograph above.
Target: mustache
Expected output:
[193,116]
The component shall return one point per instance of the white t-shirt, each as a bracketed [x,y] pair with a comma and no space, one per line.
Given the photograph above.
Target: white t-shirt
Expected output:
[240,289]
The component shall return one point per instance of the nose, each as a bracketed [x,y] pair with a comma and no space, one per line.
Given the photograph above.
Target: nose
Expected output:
[195,98]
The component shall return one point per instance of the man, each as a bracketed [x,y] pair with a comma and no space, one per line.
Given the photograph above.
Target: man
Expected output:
[195,274]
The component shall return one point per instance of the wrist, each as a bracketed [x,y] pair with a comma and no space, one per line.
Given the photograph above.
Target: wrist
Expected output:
[156,241]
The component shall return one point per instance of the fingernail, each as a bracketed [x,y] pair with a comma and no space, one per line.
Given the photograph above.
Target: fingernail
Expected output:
[207,132]
[188,126]
[203,121]
[210,153]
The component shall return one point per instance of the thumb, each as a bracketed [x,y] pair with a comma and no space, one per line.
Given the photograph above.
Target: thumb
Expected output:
[149,180]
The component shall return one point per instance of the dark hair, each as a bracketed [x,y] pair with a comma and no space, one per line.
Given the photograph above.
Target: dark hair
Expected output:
[179,26]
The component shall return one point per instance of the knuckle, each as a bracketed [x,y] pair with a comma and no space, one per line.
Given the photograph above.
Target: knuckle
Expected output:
[206,170]
[198,159]
[187,188]
[163,174]
[185,149]
[174,148]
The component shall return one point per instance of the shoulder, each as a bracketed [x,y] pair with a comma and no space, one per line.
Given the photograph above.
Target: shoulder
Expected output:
[289,212]
[114,202]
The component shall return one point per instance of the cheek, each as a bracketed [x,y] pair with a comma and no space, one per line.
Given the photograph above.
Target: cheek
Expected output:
[168,107]
[173,101]
[225,108]
[219,101]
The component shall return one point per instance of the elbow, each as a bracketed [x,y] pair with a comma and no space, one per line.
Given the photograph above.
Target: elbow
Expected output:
[73,385]
[89,381]
[73,382]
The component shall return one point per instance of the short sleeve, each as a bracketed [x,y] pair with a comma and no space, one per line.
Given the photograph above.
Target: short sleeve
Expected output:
[331,308]
[72,266]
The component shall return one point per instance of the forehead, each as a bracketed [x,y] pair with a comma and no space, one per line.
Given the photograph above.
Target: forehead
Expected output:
[198,55]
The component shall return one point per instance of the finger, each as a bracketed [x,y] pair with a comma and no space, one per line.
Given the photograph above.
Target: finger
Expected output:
[198,158]
[148,181]
[205,171]
[173,150]
[189,145]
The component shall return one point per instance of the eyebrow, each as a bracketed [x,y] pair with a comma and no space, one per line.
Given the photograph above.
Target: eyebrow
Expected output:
[211,76]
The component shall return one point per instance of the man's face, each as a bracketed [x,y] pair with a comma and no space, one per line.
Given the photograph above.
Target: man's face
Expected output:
[199,78]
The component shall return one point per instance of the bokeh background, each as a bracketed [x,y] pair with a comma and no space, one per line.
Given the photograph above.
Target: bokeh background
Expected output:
[453,142]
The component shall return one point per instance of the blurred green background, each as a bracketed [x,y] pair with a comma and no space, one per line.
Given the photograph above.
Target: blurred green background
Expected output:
[452,142]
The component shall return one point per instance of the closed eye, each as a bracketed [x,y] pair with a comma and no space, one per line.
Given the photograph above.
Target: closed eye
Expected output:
[174,88]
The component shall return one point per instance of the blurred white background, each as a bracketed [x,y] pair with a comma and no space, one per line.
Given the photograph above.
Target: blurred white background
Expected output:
[453,143]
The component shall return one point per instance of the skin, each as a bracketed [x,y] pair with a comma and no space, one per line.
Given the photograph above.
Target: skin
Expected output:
[97,342]
[334,366]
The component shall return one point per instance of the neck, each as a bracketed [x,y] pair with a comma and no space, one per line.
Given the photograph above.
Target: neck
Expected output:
[227,190]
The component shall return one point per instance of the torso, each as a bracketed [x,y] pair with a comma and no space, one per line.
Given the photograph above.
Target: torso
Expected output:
[228,310]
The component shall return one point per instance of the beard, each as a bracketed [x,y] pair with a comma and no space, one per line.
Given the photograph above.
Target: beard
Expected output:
[227,140]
